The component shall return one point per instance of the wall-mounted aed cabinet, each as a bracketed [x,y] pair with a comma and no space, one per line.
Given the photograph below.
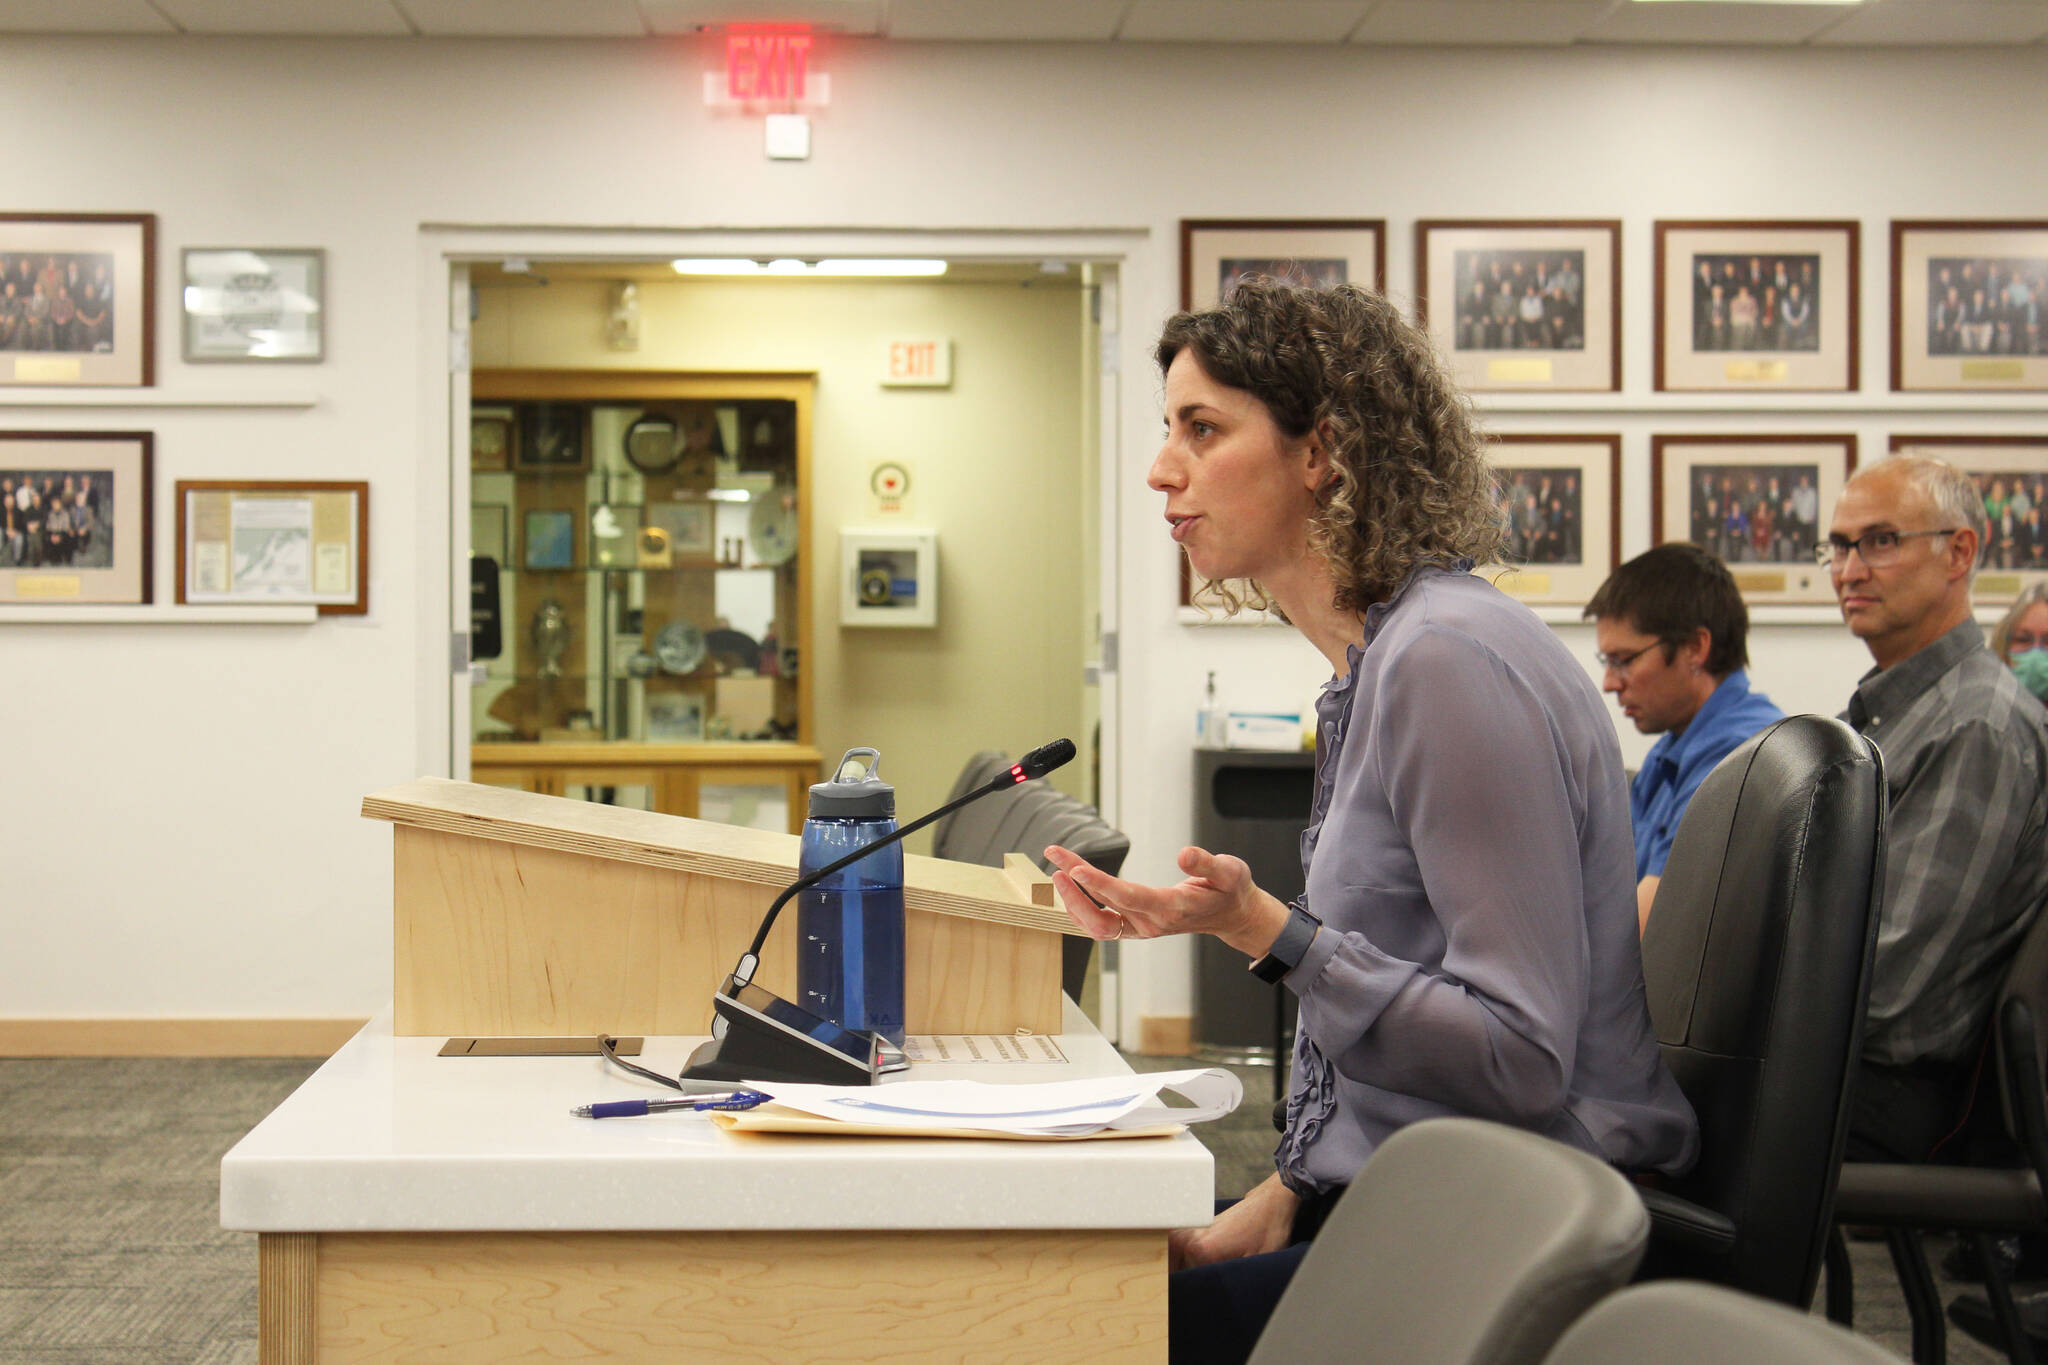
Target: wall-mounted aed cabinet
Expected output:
[888,578]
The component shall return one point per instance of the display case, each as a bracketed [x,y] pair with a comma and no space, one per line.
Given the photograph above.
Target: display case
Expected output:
[645,537]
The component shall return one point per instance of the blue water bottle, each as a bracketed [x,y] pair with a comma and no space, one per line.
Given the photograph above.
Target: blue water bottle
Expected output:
[850,958]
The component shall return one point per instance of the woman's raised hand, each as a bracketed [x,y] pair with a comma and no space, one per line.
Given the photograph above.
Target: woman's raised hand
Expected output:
[1218,897]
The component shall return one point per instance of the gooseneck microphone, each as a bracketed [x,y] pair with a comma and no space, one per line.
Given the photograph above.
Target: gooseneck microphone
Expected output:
[1037,763]
[759,1036]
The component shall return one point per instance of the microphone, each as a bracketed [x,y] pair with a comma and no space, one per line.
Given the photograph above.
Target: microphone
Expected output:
[780,1041]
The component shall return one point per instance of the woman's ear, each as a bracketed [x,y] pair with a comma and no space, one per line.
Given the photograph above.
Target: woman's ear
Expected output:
[1316,467]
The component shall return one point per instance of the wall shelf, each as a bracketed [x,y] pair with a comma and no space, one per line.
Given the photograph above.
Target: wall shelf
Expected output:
[2028,405]
[159,615]
[83,397]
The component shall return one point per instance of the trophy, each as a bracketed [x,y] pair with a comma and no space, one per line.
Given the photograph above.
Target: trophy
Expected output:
[550,635]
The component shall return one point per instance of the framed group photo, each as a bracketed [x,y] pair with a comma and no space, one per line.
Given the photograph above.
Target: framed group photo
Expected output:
[1745,307]
[274,541]
[255,304]
[1217,253]
[2011,474]
[1519,304]
[78,299]
[1756,503]
[1970,306]
[75,521]
[1560,506]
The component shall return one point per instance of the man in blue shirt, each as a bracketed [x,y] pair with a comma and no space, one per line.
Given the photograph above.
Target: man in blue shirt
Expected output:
[1673,639]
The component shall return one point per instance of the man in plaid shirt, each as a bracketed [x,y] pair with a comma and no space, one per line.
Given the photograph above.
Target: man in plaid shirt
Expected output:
[1966,757]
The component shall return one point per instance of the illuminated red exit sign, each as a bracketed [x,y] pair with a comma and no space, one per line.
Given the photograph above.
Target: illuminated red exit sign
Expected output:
[767,64]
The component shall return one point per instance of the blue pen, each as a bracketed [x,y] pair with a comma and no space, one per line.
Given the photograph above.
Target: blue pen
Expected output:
[633,1109]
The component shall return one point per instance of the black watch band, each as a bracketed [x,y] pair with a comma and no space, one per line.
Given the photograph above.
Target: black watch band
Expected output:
[1288,949]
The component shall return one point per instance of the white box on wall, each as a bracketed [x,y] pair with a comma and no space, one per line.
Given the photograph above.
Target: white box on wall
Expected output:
[888,578]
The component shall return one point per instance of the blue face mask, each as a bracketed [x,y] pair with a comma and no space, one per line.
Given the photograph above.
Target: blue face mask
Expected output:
[2031,668]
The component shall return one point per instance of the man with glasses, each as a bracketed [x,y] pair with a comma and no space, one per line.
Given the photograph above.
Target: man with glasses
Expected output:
[1965,752]
[1673,640]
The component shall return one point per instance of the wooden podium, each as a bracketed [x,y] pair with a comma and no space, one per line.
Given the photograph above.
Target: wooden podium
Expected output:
[523,915]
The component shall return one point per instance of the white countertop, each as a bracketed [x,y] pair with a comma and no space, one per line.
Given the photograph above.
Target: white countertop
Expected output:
[387,1136]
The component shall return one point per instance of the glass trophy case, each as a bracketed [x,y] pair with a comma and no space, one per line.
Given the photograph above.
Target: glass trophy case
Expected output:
[640,590]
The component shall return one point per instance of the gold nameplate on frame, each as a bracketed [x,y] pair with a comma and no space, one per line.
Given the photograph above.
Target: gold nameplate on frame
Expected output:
[1998,584]
[1994,371]
[47,369]
[49,586]
[1516,583]
[1758,371]
[1755,580]
[1533,370]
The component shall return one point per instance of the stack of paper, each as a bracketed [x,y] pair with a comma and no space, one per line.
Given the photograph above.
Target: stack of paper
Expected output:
[1101,1107]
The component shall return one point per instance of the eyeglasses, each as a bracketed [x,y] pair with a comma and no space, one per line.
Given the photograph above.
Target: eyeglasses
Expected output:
[1619,663]
[1878,548]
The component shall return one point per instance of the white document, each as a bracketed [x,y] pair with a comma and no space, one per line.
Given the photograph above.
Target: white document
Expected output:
[1050,1109]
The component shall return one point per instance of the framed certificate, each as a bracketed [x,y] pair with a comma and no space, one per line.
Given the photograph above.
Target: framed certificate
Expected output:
[276,541]
[249,303]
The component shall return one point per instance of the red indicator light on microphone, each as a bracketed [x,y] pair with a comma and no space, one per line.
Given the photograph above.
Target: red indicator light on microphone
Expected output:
[1017,772]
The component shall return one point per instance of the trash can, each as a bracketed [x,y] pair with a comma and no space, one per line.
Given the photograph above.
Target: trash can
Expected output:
[1252,803]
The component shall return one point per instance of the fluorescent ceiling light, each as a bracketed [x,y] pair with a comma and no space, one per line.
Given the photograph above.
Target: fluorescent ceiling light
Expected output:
[790,266]
[1750,2]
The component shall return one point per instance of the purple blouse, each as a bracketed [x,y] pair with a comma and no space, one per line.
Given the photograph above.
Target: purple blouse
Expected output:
[1470,856]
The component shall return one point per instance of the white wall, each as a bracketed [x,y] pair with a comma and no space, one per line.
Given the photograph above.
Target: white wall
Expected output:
[179,835]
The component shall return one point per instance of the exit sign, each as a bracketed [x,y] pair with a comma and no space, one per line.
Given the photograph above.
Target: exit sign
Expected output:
[917,362]
[767,64]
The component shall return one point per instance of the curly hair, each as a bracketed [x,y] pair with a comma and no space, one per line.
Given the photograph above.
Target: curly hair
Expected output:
[1410,483]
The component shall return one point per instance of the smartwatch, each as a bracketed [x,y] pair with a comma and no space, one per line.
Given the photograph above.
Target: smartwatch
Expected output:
[1288,949]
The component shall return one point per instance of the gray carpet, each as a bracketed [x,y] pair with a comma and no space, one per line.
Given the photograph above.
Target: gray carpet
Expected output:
[111,1250]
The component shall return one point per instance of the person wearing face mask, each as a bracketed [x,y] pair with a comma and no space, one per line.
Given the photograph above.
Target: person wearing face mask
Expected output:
[2021,639]
[1467,941]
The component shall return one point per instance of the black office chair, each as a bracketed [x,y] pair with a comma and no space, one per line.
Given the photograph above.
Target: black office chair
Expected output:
[1977,1201]
[1462,1242]
[1024,820]
[1757,958]
[1701,1324]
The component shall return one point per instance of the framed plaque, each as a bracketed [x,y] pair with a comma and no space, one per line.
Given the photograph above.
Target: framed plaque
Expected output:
[253,303]
[75,524]
[78,299]
[1758,503]
[1560,500]
[275,541]
[1970,306]
[1746,307]
[2011,473]
[1517,304]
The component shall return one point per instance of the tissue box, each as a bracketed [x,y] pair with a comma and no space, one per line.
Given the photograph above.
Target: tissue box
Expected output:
[1262,730]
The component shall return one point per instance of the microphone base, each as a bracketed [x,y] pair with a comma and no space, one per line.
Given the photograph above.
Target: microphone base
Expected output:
[769,1039]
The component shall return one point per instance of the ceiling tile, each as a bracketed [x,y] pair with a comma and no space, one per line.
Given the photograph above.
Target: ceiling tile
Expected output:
[81,16]
[1934,23]
[860,17]
[1073,21]
[1707,21]
[1241,21]
[524,18]
[1479,21]
[324,17]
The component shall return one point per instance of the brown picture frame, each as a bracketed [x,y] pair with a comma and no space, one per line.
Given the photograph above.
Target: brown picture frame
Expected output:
[1575,481]
[113,470]
[1784,574]
[1998,580]
[1698,348]
[113,347]
[1591,315]
[334,525]
[1206,244]
[1924,358]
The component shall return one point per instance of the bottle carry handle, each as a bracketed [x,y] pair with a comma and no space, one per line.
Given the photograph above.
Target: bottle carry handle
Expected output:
[863,771]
